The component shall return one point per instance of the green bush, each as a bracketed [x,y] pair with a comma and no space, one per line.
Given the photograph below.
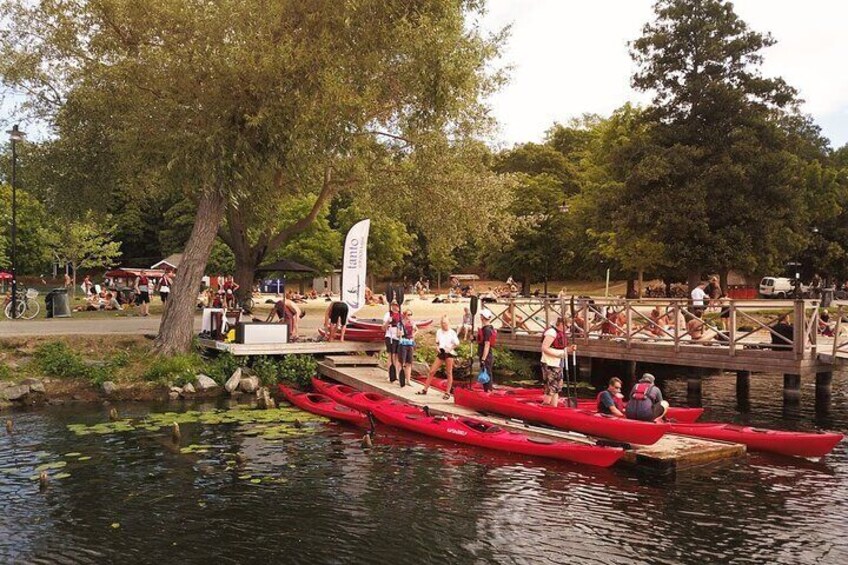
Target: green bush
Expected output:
[424,354]
[223,366]
[267,369]
[56,359]
[5,372]
[506,360]
[177,370]
[297,369]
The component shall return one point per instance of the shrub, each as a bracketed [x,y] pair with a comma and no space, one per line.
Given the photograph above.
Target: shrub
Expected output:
[506,360]
[297,369]
[223,366]
[56,359]
[424,354]
[177,370]
[267,369]
[5,372]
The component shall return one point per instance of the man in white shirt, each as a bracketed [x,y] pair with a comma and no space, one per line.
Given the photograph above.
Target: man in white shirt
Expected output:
[698,294]
[554,349]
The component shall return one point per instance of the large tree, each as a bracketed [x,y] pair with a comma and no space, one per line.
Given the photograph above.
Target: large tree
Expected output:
[215,96]
[717,156]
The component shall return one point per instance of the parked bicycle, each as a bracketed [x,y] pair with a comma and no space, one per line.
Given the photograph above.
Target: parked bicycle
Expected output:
[27,306]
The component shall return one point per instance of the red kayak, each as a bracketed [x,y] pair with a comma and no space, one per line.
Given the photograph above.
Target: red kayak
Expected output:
[483,434]
[323,406]
[798,444]
[575,419]
[358,400]
[377,323]
[676,413]
[356,334]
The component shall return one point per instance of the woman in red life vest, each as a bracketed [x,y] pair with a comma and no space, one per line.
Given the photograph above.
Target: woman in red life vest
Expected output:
[142,294]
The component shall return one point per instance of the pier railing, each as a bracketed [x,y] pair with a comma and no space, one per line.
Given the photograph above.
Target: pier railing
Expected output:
[791,326]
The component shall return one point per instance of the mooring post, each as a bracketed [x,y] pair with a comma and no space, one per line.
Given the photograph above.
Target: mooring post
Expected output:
[824,382]
[743,390]
[791,388]
[630,368]
[693,388]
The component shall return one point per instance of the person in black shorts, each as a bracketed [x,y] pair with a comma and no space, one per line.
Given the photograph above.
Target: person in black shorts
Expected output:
[335,320]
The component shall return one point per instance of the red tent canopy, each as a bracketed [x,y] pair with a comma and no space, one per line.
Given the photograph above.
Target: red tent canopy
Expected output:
[4,276]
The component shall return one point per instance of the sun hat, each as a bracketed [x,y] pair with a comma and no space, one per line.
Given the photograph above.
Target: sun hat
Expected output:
[486,313]
[647,378]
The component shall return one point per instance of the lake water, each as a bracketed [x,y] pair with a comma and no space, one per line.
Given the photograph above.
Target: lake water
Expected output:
[314,495]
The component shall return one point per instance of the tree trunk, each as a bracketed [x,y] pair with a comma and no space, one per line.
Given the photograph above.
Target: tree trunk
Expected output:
[722,280]
[693,278]
[245,274]
[639,284]
[631,290]
[177,326]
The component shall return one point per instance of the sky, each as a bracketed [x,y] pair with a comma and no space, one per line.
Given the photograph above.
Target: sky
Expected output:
[570,57]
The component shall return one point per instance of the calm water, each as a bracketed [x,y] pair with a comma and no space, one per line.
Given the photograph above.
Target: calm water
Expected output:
[321,498]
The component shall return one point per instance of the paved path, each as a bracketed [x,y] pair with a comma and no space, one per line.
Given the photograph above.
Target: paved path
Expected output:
[83,326]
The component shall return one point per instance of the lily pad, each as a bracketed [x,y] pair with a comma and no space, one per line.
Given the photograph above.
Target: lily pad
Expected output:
[84,458]
[54,465]
[73,454]
[61,475]
[256,481]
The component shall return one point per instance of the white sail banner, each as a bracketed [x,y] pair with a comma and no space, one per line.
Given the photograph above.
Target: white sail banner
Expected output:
[353,269]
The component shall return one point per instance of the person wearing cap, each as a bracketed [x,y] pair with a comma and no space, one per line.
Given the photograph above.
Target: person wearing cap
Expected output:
[391,320]
[646,402]
[486,337]
[555,348]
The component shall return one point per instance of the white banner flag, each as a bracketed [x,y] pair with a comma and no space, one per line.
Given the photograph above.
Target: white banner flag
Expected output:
[353,269]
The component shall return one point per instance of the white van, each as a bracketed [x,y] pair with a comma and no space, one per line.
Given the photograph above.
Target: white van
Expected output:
[776,287]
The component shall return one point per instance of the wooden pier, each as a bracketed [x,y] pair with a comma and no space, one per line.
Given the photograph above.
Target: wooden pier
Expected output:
[747,341]
[671,455]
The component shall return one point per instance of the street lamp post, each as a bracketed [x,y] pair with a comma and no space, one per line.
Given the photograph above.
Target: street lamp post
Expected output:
[15,135]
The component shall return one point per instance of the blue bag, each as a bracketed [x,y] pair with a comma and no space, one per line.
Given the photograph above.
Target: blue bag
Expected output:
[483,377]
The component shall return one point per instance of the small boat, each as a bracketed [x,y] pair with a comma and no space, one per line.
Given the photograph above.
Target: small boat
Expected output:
[377,323]
[797,444]
[574,419]
[358,400]
[323,406]
[478,433]
[356,334]
[675,413]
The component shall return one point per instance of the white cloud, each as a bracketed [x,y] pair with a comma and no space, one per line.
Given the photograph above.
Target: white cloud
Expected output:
[570,57]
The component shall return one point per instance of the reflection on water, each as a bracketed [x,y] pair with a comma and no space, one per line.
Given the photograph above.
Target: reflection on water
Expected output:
[134,497]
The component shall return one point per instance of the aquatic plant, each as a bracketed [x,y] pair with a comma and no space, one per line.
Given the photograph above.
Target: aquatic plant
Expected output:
[177,370]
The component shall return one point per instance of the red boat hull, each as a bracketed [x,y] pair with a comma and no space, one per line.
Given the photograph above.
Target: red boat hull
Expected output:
[323,406]
[354,334]
[575,419]
[676,413]
[373,323]
[797,444]
[472,432]
[358,400]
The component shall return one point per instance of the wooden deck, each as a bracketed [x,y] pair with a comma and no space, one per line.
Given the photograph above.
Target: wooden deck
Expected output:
[670,455]
[311,347]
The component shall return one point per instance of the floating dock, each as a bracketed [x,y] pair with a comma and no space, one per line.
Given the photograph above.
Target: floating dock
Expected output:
[671,455]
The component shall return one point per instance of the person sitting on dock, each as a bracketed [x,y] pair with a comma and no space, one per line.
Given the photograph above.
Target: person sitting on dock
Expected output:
[335,320]
[610,400]
[555,349]
[646,402]
[783,335]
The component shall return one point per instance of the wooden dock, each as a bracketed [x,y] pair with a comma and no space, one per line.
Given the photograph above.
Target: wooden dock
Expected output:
[671,455]
[298,347]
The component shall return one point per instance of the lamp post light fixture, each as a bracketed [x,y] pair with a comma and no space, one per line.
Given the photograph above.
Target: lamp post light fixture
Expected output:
[15,135]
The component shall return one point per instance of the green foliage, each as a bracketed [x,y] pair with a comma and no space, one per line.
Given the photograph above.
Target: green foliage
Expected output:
[5,372]
[506,360]
[56,359]
[177,370]
[267,369]
[297,369]
[223,366]
[424,354]
[85,243]
[32,224]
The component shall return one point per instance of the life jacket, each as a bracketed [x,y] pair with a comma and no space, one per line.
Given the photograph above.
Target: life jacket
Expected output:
[616,401]
[406,329]
[560,341]
[640,391]
[481,338]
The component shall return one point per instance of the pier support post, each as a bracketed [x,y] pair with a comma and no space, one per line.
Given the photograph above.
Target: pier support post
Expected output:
[693,388]
[791,388]
[630,368]
[743,391]
[824,382]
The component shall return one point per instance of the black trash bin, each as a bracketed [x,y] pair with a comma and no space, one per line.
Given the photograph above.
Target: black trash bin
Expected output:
[827,296]
[57,304]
